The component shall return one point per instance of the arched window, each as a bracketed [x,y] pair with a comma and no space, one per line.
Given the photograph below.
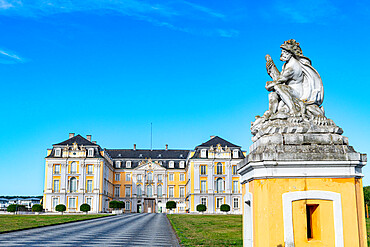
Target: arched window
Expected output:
[219,168]
[159,190]
[220,185]
[150,177]
[149,191]
[73,184]
[73,167]
[139,192]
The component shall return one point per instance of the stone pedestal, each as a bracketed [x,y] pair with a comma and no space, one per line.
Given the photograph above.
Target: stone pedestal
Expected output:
[302,186]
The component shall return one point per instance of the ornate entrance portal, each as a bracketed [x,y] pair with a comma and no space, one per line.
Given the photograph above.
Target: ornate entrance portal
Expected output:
[149,205]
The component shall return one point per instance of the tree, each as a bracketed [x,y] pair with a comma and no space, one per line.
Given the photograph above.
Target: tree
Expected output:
[225,208]
[367,195]
[171,205]
[201,208]
[37,208]
[85,207]
[13,208]
[60,208]
[116,204]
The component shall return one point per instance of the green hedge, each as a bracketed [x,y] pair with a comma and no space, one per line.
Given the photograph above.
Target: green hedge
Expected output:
[201,208]
[60,208]
[15,207]
[85,207]
[37,208]
[225,208]
[171,205]
[116,204]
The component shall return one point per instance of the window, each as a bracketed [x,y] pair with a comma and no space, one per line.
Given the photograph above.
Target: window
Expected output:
[73,167]
[235,172]
[89,201]
[73,184]
[128,192]
[182,177]
[170,176]
[160,178]
[89,169]
[55,202]
[172,164]
[127,205]
[57,152]
[128,177]
[56,185]
[203,186]
[56,169]
[235,153]
[235,186]
[128,164]
[203,201]
[118,177]
[203,153]
[72,202]
[219,202]
[312,220]
[149,191]
[159,191]
[90,152]
[203,170]
[219,185]
[182,191]
[139,178]
[182,164]
[219,168]
[89,186]
[116,191]
[139,191]
[150,177]
[170,192]
[236,202]
[118,164]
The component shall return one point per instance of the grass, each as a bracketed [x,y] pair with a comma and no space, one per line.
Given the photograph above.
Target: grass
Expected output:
[16,222]
[368,230]
[208,230]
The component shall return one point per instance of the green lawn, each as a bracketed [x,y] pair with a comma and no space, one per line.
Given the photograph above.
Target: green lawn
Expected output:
[368,230]
[15,222]
[208,230]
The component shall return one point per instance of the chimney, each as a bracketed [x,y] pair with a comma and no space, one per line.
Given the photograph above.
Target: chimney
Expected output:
[71,135]
[94,142]
[213,137]
[88,137]
[134,147]
[166,146]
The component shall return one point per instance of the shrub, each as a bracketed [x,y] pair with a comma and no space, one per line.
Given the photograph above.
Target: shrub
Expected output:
[171,205]
[225,208]
[37,208]
[201,208]
[116,204]
[15,207]
[60,208]
[85,207]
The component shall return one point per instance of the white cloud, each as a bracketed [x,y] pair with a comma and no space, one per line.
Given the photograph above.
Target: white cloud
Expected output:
[7,57]
[161,13]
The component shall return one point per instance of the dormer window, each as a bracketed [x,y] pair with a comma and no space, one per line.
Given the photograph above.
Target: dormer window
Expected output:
[118,164]
[128,164]
[203,153]
[141,155]
[182,164]
[57,152]
[159,155]
[181,156]
[172,164]
[90,152]
[235,153]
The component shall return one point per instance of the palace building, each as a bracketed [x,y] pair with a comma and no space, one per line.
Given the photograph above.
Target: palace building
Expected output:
[79,171]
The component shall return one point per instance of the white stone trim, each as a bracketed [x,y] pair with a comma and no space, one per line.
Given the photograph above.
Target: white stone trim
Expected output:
[248,218]
[289,197]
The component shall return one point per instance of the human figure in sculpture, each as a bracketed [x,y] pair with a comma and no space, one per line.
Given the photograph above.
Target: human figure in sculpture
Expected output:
[296,91]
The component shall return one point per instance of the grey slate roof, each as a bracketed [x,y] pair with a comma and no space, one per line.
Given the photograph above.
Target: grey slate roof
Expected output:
[147,153]
[217,140]
[78,139]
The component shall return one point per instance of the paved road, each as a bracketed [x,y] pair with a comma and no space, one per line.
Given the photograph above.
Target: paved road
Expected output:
[123,230]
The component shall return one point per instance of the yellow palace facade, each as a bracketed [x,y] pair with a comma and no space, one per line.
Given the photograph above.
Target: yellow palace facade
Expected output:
[79,171]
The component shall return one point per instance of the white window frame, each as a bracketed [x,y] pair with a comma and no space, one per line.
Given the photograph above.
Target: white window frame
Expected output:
[89,188]
[58,152]
[235,190]
[201,186]
[139,177]
[219,165]
[182,176]
[205,170]
[117,176]
[57,171]
[128,164]
[203,153]
[160,178]
[116,189]
[90,171]
[182,164]
[139,190]
[159,189]
[118,164]
[74,202]
[221,200]
[56,182]
[171,177]
[73,165]
[236,200]
[171,189]
[128,176]
[87,201]
[128,191]
[171,164]
[127,205]
[182,189]
[151,191]
[90,152]
[53,204]
[236,154]
[73,187]
[235,167]
[202,202]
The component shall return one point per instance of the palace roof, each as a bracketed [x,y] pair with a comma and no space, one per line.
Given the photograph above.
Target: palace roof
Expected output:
[77,139]
[217,140]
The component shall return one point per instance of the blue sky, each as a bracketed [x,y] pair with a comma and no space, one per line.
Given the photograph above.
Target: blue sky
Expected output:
[192,68]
